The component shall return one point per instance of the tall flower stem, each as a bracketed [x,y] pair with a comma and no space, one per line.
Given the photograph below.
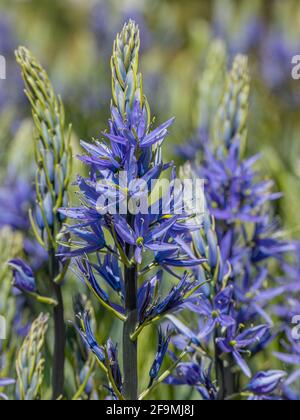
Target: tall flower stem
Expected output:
[220,374]
[59,331]
[225,377]
[53,157]
[130,346]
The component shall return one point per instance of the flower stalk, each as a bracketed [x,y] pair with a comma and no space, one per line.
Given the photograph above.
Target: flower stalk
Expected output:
[130,346]
[54,165]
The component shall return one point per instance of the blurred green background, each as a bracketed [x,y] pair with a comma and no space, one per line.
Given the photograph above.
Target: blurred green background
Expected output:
[73,39]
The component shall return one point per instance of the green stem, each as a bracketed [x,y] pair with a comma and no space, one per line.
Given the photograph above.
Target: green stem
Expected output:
[84,383]
[225,377]
[130,346]
[59,331]
[220,375]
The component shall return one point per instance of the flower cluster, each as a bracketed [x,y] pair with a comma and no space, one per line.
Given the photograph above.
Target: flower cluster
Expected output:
[133,146]
[30,362]
[217,279]
[241,242]
[52,149]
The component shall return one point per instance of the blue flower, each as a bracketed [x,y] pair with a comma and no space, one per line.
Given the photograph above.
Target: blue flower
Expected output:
[23,277]
[177,299]
[110,271]
[147,294]
[16,197]
[254,294]
[86,274]
[195,375]
[112,353]
[216,313]
[90,240]
[107,354]
[89,339]
[173,258]
[143,236]
[237,343]
[4,382]
[163,344]
[265,383]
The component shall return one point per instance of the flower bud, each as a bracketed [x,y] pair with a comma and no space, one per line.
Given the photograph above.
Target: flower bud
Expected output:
[266,382]
[23,277]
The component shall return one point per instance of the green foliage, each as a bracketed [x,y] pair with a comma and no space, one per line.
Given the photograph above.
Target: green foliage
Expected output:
[232,114]
[211,85]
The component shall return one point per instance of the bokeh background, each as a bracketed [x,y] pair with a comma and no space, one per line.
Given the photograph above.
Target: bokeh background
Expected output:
[73,39]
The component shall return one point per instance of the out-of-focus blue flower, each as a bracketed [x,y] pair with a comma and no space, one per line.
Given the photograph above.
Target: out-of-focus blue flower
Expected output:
[82,376]
[237,343]
[23,277]
[36,254]
[266,243]
[21,323]
[101,24]
[265,383]
[277,51]
[10,90]
[216,313]
[292,357]
[4,382]
[241,26]
[163,344]
[232,186]
[195,375]
[255,294]
[16,198]
[7,43]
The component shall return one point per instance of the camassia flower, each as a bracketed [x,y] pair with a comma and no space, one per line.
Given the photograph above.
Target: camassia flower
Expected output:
[107,355]
[136,230]
[263,384]
[163,344]
[195,375]
[240,239]
[237,343]
[216,313]
[145,237]
[24,278]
